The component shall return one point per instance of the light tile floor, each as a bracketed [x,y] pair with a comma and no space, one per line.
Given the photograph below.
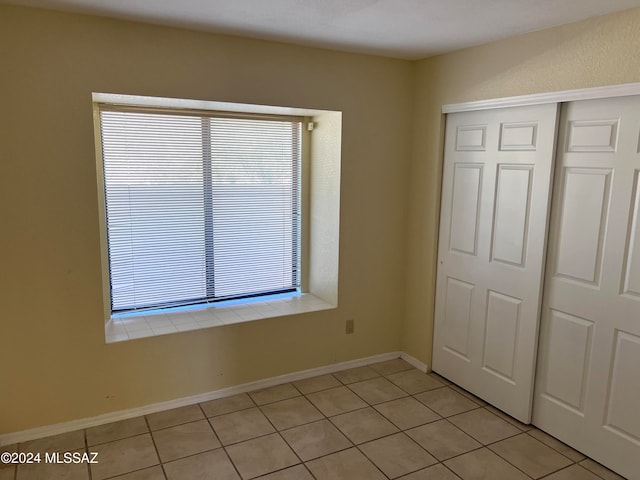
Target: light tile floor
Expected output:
[384,421]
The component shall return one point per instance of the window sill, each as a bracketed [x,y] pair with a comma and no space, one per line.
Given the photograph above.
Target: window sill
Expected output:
[132,326]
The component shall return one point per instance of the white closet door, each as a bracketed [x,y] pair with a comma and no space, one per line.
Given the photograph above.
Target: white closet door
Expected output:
[495,197]
[588,379]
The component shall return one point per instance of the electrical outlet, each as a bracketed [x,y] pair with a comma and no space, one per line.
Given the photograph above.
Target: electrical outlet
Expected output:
[349,326]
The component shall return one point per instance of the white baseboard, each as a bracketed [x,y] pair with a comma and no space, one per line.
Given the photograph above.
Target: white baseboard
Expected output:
[423,367]
[46,431]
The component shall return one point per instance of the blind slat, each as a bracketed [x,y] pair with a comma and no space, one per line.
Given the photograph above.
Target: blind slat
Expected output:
[199,208]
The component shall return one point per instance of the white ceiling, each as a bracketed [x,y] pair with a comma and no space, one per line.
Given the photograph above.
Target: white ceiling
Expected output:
[409,29]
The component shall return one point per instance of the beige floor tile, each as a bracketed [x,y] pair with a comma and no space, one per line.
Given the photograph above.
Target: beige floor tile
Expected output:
[53,471]
[183,440]
[436,472]
[397,455]
[291,413]
[336,400]
[469,395]
[356,374]
[407,412]
[175,416]
[484,426]
[391,366]
[299,472]
[377,390]
[507,418]
[316,440]
[557,445]
[213,465]
[232,404]
[152,473]
[239,426]
[363,425]
[346,465]
[446,402]
[439,378]
[274,394]
[124,456]
[64,442]
[442,439]
[261,456]
[531,456]
[483,464]
[116,431]
[315,384]
[574,472]
[414,381]
[599,470]
[7,472]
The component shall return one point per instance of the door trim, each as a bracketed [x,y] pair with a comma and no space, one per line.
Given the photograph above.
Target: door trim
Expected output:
[621,90]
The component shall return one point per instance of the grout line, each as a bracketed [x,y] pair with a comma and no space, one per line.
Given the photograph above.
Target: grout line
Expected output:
[229,413]
[528,432]
[351,443]
[224,449]
[215,434]
[542,443]
[153,440]
[309,470]
[598,463]
[246,439]
[327,419]
[86,449]
[452,472]
[372,462]
[514,465]
[509,463]
[552,448]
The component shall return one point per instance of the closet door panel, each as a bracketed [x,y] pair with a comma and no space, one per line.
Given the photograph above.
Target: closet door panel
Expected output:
[587,383]
[495,204]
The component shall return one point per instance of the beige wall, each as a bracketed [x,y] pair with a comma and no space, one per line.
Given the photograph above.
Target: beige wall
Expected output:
[54,364]
[602,51]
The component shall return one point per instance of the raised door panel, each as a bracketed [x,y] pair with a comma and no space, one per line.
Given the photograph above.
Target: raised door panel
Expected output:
[465,208]
[631,283]
[566,347]
[471,138]
[518,136]
[593,136]
[457,317]
[501,335]
[584,210]
[624,391]
[512,205]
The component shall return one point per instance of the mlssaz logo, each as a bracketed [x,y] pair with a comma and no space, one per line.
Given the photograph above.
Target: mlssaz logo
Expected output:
[71,457]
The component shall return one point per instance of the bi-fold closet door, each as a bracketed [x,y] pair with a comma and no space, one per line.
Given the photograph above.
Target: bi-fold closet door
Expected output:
[493,307]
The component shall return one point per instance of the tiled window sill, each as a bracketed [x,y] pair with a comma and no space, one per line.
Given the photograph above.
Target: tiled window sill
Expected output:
[133,326]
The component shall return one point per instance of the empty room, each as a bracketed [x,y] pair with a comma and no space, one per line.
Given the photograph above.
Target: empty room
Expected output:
[320,240]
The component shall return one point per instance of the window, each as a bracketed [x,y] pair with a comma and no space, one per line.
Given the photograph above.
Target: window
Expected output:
[307,262]
[200,206]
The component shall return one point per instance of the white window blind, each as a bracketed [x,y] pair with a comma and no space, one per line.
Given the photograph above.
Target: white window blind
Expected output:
[199,207]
